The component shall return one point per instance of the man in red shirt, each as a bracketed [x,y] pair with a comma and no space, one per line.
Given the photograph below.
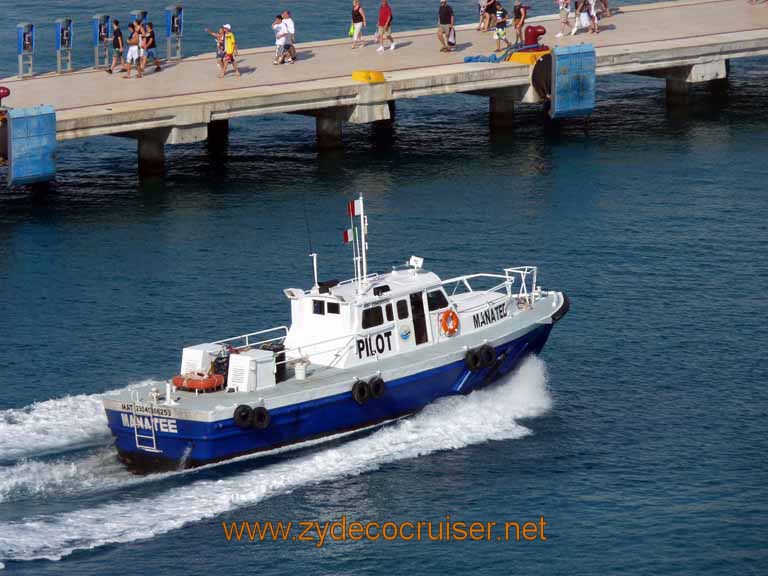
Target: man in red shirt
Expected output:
[385,26]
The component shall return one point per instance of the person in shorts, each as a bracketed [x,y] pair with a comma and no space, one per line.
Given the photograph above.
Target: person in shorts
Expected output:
[565,27]
[385,26]
[150,47]
[501,26]
[230,51]
[219,36]
[117,46]
[133,56]
[290,40]
[445,22]
[281,38]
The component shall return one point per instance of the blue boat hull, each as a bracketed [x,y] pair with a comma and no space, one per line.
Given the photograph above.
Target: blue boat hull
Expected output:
[199,443]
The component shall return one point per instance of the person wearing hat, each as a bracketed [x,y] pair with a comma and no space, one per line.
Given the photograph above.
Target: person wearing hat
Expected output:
[445,22]
[230,51]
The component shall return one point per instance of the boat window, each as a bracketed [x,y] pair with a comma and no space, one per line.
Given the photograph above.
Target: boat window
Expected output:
[333,307]
[419,318]
[436,300]
[402,309]
[379,290]
[372,317]
[318,307]
[390,315]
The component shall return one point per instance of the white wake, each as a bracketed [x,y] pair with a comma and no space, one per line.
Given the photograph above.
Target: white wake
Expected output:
[450,423]
[53,425]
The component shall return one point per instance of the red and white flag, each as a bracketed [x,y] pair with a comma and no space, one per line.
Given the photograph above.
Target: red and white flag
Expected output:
[348,235]
[355,207]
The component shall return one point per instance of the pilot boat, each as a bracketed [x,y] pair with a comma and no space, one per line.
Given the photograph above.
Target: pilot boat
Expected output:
[357,354]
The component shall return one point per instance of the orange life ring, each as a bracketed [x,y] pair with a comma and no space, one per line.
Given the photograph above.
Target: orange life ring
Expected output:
[198,381]
[449,322]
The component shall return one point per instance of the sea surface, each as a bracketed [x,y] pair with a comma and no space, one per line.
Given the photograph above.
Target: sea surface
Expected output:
[640,434]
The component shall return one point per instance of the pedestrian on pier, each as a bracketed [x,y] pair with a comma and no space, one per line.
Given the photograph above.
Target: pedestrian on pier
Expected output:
[445,23]
[219,36]
[481,11]
[117,46]
[358,23]
[133,56]
[565,26]
[519,13]
[281,35]
[501,26]
[149,48]
[385,26]
[490,15]
[230,51]
[290,40]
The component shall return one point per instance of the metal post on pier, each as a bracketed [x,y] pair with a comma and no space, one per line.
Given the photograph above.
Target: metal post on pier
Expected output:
[174,27]
[101,34]
[63,45]
[25,47]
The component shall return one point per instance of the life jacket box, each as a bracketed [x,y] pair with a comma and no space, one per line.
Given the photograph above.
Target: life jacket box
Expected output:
[251,371]
[198,358]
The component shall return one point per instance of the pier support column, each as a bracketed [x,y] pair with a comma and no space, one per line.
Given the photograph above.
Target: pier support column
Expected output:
[680,79]
[328,132]
[218,134]
[501,109]
[151,144]
[383,131]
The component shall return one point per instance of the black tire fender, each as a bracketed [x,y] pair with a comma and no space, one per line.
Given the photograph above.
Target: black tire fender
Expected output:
[243,416]
[261,418]
[487,355]
[360,392]
[472,359]
[377,387]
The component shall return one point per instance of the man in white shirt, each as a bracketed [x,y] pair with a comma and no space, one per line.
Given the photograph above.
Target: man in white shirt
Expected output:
[290,43]
[281,36]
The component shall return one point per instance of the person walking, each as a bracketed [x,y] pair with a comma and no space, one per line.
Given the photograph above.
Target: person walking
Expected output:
[281,38]
[565,26]
[385,26]
[501,26]
[149,48]
[290,40]
[481,11]
[490,15]
[219,36]
[132,57]
[519,12]
[445,22]
[117,46]
[358,23]
[230,51]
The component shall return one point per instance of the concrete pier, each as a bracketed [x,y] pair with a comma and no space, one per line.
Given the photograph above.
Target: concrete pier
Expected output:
[686,42]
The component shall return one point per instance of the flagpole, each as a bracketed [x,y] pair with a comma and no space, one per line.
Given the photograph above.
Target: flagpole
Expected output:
[364,242]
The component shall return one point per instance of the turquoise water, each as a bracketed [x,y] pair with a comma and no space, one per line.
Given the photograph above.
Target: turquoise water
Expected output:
[640,437]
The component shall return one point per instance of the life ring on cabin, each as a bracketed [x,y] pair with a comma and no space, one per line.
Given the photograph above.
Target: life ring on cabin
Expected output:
[449,322]
[377,387]
[198,381]
[243,416]
[261,418]
[360,392]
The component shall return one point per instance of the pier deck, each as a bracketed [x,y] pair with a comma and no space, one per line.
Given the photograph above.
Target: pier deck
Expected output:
[684,41]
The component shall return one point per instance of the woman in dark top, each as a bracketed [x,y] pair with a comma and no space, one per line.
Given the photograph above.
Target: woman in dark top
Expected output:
[358,22]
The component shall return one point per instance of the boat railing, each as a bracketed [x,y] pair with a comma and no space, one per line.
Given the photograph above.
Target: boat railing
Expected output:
[522,276]
[249,341]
